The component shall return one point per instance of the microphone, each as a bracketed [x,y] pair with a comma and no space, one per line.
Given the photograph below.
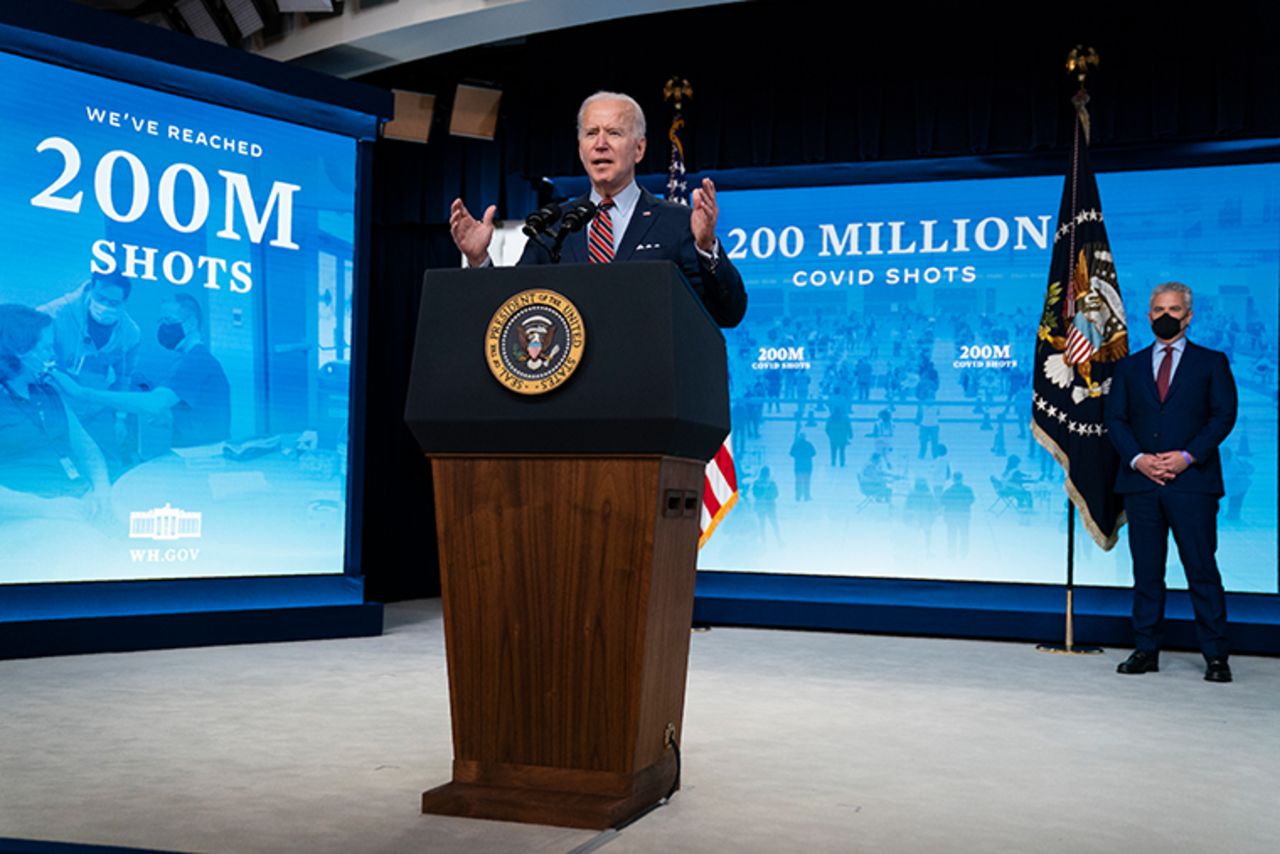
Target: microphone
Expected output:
[578,216]
[541,220]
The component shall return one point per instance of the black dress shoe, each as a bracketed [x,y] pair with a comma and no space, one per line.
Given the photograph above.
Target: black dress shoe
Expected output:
[1143,662]
[1217,670]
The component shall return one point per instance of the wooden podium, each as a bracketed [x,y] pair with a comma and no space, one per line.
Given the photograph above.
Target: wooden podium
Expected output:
[568,528]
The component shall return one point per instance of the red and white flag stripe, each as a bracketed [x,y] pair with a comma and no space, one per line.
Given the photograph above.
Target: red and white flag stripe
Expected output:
[719,490]
[1078,347]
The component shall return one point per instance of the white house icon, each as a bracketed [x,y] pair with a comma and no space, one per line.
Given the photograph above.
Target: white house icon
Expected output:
[165,523]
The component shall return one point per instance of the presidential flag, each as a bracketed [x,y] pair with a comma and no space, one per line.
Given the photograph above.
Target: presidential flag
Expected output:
[1082,334]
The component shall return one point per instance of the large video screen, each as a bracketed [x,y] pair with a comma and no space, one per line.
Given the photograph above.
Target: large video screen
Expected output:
[881,381]
[175,334]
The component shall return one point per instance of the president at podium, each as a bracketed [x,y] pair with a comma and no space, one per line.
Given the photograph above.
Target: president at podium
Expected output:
[630,223]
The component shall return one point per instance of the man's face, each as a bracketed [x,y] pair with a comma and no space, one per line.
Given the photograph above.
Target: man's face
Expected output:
[111,296]
[173,317]
[171,312]
[608,145]
[106,303]
[1172,304]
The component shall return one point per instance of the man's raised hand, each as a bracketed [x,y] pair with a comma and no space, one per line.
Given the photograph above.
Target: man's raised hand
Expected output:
[470,235]
[705,213]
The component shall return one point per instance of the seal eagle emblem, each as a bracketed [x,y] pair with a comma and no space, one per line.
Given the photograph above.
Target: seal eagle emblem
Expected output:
[1087,326]
[534,341]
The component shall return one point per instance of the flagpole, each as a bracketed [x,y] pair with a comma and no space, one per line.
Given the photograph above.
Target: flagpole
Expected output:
[1071,576]
[1070,647]
[1078,62]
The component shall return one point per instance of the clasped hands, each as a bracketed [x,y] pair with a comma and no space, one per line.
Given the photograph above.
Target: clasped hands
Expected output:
[1162,468]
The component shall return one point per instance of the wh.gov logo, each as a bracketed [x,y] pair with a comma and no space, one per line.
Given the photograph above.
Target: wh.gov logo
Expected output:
[165,523]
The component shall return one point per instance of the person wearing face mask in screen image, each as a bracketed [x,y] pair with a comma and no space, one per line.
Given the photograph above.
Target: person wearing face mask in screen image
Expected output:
[95,342]
[195,398]
[49,466]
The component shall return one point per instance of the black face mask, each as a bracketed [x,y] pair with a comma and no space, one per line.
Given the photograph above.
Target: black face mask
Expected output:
[1166,326]
[170,335]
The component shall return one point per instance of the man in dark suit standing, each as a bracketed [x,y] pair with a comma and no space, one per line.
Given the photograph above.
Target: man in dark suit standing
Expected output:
[631,224]
[1171,405]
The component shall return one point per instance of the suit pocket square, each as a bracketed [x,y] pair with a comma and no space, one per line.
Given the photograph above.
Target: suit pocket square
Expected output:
[643,246]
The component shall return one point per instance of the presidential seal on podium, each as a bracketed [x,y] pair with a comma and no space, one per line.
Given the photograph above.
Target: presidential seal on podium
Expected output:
[534,341]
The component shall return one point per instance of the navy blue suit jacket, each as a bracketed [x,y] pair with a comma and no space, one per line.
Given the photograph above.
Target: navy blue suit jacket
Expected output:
[1196,416]
[659,231]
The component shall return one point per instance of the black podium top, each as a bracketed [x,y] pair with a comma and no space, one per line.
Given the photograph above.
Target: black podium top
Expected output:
[652,378]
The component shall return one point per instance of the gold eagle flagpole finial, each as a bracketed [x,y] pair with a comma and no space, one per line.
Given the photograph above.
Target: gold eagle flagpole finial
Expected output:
[1079,60]
[677,89]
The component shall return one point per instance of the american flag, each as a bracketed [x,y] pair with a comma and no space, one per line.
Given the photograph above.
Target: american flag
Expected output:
[719,491]
[677,185]
[720,480]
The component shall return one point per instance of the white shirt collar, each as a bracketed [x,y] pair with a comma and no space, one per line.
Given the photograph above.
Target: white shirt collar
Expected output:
[625,202]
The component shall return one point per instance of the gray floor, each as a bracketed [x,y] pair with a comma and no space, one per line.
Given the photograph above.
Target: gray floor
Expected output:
[793,742]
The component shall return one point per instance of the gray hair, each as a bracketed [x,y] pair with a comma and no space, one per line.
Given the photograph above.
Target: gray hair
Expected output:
[637,114]
[1174,288]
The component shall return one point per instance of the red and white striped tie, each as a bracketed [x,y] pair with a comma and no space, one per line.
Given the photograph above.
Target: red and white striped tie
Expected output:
[600,234]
